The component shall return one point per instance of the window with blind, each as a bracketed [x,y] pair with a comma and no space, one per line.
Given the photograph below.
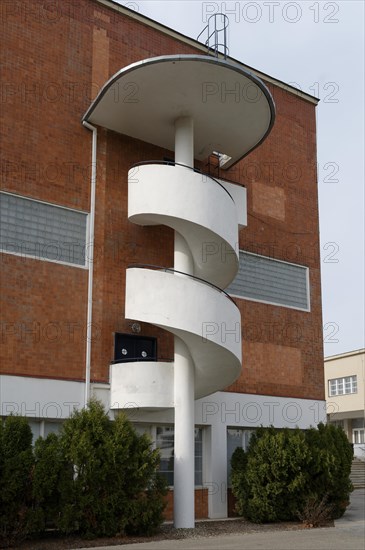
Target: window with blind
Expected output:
[264,279]
[42,231]
[165,442]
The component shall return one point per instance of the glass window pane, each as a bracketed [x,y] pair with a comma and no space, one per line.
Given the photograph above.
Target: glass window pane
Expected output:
[165,442]
[51,427]
[49,232]
[357,423]
[269,280]
[236,437]
[35,426]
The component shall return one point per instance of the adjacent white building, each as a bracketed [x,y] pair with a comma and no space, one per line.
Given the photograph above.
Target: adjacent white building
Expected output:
[345,395]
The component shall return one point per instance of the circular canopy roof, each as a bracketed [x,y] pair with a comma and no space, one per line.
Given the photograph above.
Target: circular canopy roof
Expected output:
[232,109]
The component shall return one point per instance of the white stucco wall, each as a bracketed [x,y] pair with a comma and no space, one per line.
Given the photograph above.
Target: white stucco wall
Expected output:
[55,399]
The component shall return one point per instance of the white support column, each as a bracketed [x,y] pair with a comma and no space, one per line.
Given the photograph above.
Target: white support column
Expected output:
[184,516]
[184,141]
[184,513]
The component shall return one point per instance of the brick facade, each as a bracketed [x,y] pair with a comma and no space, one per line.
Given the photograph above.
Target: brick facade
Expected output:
[57,57]
[200,501]
[53,65]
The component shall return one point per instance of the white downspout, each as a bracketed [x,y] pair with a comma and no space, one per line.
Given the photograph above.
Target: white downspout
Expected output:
[90,261]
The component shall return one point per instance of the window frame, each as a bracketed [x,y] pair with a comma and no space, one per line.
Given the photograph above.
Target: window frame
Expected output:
[200,456]
[278,304]
[245,436]
[337,386]
[25,255]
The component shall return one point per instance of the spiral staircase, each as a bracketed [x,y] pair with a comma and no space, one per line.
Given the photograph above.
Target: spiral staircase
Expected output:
[193,105]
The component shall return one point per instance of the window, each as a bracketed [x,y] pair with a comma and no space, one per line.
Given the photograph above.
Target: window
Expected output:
[271,281]
[236,437]
[52,428]
[129,347]
[42,428]
[43,231]
[342,386]
[358,436]
[338,423]
[165,442]
[35,426]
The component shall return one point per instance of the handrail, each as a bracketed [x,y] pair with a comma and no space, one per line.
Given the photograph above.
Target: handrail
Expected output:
[173,163]
[215,32]
[171,270]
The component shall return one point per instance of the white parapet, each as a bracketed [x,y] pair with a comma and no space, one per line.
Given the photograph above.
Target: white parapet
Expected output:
[202,210]
[142,385]
[239,195]
[202,316]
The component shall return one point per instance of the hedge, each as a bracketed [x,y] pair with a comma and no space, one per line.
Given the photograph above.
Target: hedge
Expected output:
[285,470]
[97,477]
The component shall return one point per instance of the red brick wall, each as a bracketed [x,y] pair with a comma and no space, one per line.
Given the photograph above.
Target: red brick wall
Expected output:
[43,318]
[201,504]
[53,65]
[282,347]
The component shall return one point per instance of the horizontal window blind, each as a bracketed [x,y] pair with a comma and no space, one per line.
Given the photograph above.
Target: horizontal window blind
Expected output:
[47,232]
[268,280]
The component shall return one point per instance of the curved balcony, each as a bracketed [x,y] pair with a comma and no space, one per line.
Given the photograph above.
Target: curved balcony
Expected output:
[199,207]
[147,385]
[203,316]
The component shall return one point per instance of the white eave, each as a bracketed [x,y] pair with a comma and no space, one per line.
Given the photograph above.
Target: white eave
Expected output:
[232,109]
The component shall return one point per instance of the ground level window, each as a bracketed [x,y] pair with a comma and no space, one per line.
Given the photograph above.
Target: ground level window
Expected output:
[358,436]
[42,428]
[236,437]
[165,442]
[338,423]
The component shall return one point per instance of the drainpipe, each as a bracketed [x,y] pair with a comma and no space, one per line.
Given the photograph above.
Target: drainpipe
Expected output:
[90,262]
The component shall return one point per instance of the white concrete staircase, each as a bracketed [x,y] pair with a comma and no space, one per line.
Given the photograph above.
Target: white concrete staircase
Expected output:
[192,308]
[183,106]
[357,475]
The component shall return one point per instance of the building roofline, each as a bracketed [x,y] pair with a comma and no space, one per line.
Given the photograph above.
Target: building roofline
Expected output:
[196,44]
[346,354]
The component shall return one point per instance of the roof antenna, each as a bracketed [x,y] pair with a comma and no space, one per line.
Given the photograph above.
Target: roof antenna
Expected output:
[216,32]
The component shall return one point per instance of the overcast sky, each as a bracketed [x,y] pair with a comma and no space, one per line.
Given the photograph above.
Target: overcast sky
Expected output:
[319,47]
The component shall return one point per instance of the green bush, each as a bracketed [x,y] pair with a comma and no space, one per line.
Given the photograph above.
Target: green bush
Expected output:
[95,478]
[330,466]
[283,470]
[16,464]
[52,482]
[274,475]
[114,473]
[143,486]
[239,486]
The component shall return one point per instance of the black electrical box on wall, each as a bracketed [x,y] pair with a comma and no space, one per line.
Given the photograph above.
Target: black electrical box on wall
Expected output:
[129,347]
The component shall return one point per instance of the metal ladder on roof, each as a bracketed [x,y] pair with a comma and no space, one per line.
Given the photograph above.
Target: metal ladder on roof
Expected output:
[216,32]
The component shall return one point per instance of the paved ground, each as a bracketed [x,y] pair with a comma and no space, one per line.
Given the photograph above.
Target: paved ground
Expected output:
[348,534]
